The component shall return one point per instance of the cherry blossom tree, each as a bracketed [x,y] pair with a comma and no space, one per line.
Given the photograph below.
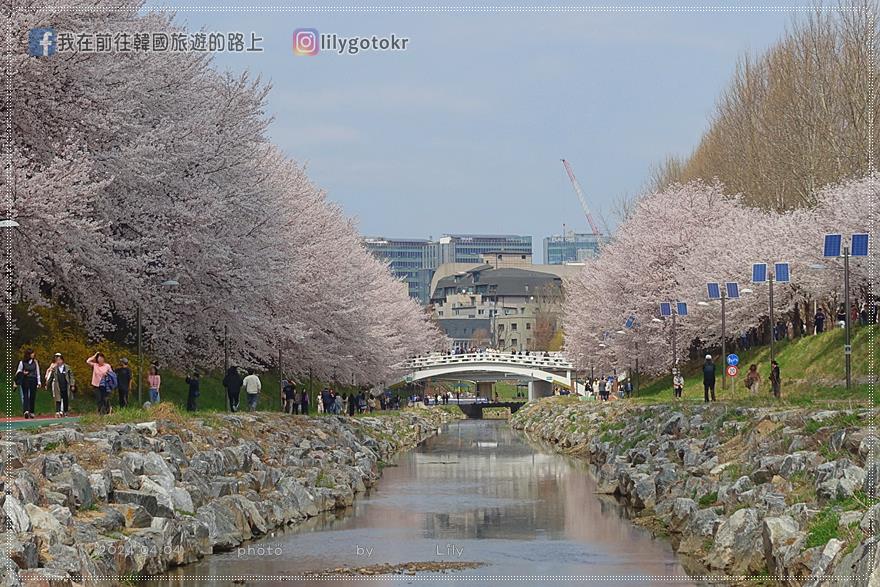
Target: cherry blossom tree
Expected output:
[678,239]
[130,170]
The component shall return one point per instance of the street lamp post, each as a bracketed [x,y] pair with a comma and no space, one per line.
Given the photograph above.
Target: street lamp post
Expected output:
[140,351]
[716,292]
[667,310]
[781,274]
[859,249]
[140,345]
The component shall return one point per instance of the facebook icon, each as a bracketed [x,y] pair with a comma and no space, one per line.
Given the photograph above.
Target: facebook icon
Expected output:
[41,42]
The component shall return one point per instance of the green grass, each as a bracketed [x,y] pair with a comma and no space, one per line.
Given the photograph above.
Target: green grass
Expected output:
[811,367]
[174,390]
[823,527]
[708,499]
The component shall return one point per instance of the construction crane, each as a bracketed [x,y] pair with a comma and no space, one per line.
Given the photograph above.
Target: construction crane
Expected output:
[581,197]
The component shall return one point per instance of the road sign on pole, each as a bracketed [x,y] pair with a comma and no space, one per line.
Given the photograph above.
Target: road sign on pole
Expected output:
[732,370]
[732,359]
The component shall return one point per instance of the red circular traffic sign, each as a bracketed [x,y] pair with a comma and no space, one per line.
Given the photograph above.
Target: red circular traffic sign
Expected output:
[732,370]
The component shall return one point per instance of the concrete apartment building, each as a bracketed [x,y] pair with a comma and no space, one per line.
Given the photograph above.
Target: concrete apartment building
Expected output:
[415,260]
[498,303]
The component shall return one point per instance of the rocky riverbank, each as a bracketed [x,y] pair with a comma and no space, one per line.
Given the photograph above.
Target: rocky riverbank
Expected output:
[118,502]
[783,494]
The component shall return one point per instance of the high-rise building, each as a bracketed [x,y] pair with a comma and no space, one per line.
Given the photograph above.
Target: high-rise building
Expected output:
[406,258]
[572,247]
[414,260]
[470,248]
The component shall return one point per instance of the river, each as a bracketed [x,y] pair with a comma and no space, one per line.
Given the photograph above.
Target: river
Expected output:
[477,492]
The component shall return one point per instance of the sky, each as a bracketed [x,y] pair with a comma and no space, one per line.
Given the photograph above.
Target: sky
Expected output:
[463,131]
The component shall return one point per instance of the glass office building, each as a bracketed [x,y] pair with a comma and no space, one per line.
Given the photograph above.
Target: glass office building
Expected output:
[414,260]
[572,247]
[406,258]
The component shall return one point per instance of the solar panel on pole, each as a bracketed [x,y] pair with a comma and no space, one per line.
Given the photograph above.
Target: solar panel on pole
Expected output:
[859,245]
[681,308]
[759,272]
[714,291]
[782,272]
[832,245]
[732,290]
[665,309]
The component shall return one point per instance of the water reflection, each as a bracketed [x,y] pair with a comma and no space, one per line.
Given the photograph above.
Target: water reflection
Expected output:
[477,492]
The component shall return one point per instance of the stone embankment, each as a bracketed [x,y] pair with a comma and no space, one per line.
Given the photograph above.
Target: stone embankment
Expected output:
[111,504]
[783,494]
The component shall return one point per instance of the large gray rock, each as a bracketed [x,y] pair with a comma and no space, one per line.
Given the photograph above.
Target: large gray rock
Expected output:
[823,560]
[738,547]
[133,515]
[682,510]
[147,501]
[644,492]
[778,534]
[17,519]
[74,482]
[304,501]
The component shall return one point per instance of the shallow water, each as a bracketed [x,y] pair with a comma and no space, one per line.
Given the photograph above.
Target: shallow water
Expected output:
[478,492]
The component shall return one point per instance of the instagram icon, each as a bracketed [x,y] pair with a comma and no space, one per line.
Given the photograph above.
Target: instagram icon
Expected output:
[305,42]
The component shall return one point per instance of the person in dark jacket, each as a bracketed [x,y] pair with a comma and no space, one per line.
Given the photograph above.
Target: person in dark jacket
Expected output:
[123,382]
[708,379]
[819,319]
[288,396]
[775,379]
[351,404]
[232,383]
[304,402]
[27,376]
[192,398]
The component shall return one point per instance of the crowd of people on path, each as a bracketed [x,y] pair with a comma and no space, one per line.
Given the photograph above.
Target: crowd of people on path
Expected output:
[60,380]
[106,380]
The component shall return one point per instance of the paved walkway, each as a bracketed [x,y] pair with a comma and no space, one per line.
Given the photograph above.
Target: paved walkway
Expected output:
[19,423]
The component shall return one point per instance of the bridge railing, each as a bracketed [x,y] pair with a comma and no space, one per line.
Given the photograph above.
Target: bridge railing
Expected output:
[552,362]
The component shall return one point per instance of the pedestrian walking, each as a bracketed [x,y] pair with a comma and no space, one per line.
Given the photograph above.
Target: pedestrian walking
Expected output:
[252,387]
[27,376]
[819,319]
[603,389]
[297,399]
[192,398]
[154,382]
[304,402]
[753,380]
[320,402]
[708,379]
[288,397]
[103,381]
[677,384]
[327,400]
[123,381]
[61,382]
[232,382]
[775,379]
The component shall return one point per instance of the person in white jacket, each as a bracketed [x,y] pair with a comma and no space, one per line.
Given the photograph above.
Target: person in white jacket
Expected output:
[252,388]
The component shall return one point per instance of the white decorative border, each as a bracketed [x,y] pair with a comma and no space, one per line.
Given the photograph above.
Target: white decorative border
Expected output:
[8,146]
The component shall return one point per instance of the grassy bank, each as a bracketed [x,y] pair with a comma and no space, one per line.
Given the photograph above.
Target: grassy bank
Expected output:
[812,370]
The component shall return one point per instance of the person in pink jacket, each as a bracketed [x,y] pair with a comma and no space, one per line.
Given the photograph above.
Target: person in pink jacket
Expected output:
[154,381]
[100,368]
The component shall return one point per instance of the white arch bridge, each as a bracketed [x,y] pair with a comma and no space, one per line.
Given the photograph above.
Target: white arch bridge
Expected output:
[541,371]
